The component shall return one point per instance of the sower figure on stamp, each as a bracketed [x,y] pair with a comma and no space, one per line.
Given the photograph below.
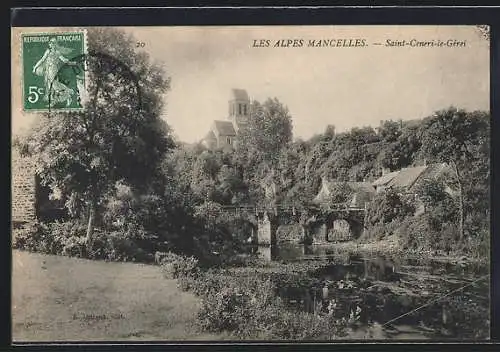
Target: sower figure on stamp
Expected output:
[48,67]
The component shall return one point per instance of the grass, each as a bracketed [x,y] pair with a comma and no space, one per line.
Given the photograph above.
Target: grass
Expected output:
[68,299]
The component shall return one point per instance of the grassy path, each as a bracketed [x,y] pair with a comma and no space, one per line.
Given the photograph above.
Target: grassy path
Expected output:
[68,299]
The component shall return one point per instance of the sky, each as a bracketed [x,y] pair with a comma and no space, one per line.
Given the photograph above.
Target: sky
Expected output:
[344,86]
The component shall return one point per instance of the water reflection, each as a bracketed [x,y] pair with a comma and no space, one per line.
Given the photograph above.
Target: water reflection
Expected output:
[390,297]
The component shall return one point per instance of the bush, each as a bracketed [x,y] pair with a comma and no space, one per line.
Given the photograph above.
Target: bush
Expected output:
[63,238]
[248,305]
[75,246]
[388,206]
[69,239]
[176,266]
[477,245]
[30,237]
[232,303]
[71,236]
[422,234]
[379,231]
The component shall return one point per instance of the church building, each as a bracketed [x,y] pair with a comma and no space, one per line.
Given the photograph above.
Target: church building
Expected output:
[223,133]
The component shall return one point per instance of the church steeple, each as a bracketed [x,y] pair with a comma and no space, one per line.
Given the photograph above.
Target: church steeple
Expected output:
[239,107]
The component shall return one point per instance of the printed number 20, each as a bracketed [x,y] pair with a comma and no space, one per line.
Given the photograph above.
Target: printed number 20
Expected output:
[34,93]
[140,45]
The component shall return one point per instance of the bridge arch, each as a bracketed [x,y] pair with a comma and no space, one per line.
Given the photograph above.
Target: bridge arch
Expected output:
[263,225]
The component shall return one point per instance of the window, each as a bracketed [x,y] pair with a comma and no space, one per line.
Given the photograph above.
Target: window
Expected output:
[228,140]
[239,108]
[244,109]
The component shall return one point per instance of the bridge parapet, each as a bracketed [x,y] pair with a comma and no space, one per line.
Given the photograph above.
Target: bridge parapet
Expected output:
[269,218]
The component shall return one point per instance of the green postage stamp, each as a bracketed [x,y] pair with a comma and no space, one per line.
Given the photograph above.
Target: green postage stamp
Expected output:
[53,76]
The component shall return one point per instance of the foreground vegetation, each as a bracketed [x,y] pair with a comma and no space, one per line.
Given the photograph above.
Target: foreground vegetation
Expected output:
[288,301]
[252,302]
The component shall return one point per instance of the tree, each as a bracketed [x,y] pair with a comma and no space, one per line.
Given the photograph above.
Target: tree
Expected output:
[118,136]
[401,151]
[349,156]
[460,139]
[387,206]
[341,192]
[231,188]
[390,130]
[269,129]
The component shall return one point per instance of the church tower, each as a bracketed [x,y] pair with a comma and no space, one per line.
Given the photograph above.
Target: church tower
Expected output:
[239,108]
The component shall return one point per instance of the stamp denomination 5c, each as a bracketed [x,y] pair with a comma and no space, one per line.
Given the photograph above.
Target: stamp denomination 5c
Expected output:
[49,82]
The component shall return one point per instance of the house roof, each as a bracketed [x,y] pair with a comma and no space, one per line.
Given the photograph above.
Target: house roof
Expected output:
[385,179]
[434,170]
[239,94]
[224,128]
[407,177]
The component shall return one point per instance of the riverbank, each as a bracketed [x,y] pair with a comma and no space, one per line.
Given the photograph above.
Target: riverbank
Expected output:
[391,247]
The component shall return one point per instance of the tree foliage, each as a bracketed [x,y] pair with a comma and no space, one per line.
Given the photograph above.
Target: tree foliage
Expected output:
[269,129]
[119,135]
[461,139]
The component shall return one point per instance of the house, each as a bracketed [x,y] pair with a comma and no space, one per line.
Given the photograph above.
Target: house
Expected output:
[362,192]
[408,178]
[381,183]
[223,133]
[402,179]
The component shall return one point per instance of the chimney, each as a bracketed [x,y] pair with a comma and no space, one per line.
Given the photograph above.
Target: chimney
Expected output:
[425,161]
[385,171]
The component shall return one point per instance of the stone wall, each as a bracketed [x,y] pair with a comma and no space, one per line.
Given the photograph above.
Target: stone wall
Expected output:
[290,233]
[23,189]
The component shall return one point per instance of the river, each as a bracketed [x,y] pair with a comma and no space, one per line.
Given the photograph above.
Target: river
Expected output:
[393,298]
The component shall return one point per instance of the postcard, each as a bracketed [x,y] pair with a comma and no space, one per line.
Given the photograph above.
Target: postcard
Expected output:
[274,183]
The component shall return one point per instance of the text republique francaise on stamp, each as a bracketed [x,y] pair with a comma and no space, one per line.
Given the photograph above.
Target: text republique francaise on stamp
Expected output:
[49,80]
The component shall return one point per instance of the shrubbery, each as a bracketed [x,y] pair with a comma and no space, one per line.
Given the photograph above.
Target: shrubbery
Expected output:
[247,303]
[435,229]
[175,266]
[249,306]
[388,206]
[33,237]
[63,238]
[69,239]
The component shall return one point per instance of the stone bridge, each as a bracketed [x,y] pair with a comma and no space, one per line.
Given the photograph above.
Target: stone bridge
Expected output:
[266,221]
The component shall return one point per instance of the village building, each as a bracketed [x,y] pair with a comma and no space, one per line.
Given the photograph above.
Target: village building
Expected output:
[223,133]
[407,180]
[362,192]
